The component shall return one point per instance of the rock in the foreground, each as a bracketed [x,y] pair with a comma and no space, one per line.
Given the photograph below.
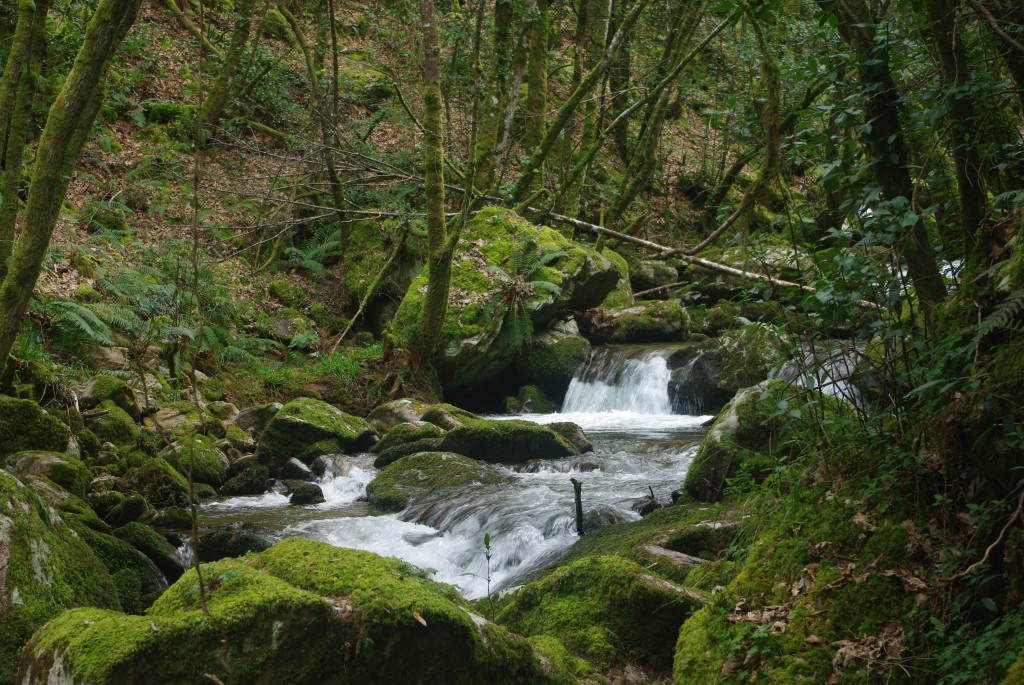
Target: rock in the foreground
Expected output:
[301,612]
[44,569]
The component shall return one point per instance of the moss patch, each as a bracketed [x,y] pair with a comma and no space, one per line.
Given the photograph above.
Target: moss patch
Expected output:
[113,424]
[306,429]
[25,426]
[200,456]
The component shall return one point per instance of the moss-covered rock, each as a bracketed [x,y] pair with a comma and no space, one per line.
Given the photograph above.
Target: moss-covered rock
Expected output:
[139,582]
[45,568]
[159,482]
[25,426]
[301,612]
[530,400]
[743,443]
[407,438]
[200,456]
[389,414]
[655,321]
[177,420]
[287,293]
[306,493]
[67,472]
[471,349]
[112,424]
[102,388]
[622,295]
[306,428]
[154,546]
[252,481]
[416,476]
[506,442]
[607,609]
[553,358]
[128,509]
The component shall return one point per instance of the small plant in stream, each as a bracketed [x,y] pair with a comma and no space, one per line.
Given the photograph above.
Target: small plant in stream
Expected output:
[487,556]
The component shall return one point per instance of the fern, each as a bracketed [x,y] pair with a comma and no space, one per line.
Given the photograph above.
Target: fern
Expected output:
[75,322]
[520,283]
[1002,316]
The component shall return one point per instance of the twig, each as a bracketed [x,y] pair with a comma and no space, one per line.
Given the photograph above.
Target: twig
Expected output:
[998,541]
[996,28]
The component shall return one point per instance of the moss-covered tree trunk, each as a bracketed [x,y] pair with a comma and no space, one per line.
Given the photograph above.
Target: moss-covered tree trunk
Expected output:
[884,140]
[17,88]
[495,98]
[67,127]
[217,98]
[618,82]
[538,18]
[964,128]
[439,246]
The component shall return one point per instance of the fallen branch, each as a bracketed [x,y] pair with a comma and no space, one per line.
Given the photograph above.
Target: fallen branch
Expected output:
[666,252]
[660,288]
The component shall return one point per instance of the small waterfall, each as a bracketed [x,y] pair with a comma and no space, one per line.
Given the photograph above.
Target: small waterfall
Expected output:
[827,369]
[621,379]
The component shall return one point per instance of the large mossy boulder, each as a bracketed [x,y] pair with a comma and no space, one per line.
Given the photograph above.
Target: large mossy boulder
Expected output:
[198,456]
[45,568]
[406,410]
[100,389]
[553,358]
[305,429]
[25,426]
[506,442]
[61,469]
[745,441]
[472,349]
[110,423]
[411,478]
[302,613]
[606,609]
[404,439]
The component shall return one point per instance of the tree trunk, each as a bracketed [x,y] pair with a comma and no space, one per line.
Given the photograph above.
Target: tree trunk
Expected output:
[439,246]
[964,125]
[883,137]
[17,88]
[618,83]
[217,99]
[495,99]
[67,127]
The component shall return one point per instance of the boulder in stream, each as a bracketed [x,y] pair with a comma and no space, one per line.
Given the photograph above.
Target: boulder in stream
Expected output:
[303,613]
[411,478]
[306,428]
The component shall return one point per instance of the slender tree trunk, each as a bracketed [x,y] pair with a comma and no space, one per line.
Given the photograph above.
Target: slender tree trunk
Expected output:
[67,127]
[17,88]
[883,137]
[618,82]
[495,98]
[964,125]
[217,99]
[439,246]
[535,113]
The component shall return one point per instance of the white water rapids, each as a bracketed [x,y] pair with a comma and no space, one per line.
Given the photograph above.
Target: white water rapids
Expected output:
[620,399]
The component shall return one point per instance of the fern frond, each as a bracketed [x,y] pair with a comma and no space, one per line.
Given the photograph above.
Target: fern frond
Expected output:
[1002,315]
[77,321]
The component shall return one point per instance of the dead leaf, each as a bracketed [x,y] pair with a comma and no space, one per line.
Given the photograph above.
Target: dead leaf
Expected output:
[416,615]
[814,640]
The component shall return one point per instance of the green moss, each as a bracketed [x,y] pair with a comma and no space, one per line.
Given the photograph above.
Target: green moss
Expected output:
[655,321]
[365,619]
[506,442]
[530,399]
[552,361]
[287,293]
[126,509]
[425,473]
[25,426]
[252,481]
[200,456]
[607,609]
[158,482]
[404,439]
[153,545]
[44,569]
[306,429]
[61,469]
[113,424]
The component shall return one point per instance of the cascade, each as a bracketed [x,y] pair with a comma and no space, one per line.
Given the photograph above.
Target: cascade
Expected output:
[631,379]
[620,398]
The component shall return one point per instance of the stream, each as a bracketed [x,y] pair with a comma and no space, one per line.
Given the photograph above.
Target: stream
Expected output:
[620,398]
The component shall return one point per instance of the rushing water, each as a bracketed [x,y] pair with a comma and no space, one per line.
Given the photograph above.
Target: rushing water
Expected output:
[620,398]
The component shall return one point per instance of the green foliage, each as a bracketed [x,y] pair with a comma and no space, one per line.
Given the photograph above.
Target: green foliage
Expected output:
[519,282]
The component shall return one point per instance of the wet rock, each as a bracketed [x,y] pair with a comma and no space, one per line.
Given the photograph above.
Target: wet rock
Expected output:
[233,540]
[646,505]
[602,515]
[307,493]
[131,508]
[296,470]
[301,612]
[173,518]
[573,434]
[404,439]
[655,321]
[251,481]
